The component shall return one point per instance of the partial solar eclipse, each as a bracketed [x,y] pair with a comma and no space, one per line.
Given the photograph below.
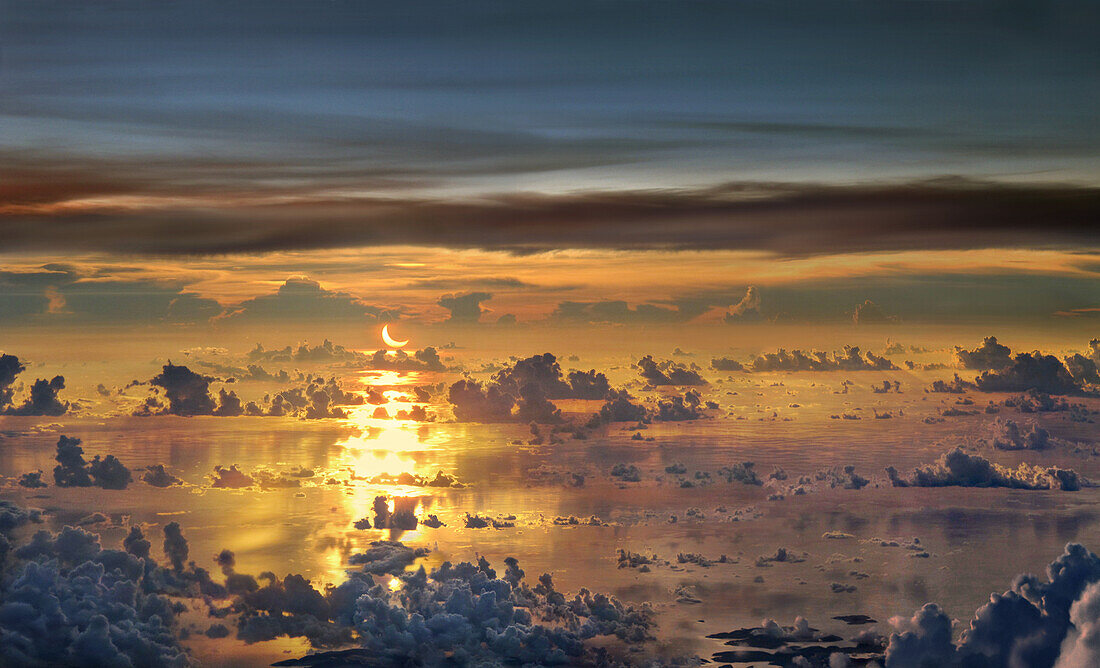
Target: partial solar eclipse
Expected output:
[390,341]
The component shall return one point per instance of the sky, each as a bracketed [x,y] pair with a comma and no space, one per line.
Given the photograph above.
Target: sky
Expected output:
[736,312]
[856,150]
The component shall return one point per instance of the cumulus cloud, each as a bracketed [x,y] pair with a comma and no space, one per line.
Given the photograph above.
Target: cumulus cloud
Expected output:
[42,399]
[1081,648]
[1031,371]
[726,364]
[1009,435]
[157,476]
[620,408]
[1083,369]
[989,355]
[472,403]
[746,310]
[426,359]
[317,399]
[10,367]
[1032,624]
[870,313]
[73,471]
[71,602]
[523,391]
[465,307]
[954,386]
[668,372]
[850,359]
[303,353]
[679,408]
[187,392]
[959,469]
[302,299]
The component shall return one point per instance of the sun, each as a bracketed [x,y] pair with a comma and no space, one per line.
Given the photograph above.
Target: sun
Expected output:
[390,341]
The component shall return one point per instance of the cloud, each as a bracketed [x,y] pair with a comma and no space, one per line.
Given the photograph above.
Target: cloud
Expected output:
[989,355]
[1009,435]
[1033,624]
[667,372]
[786,219]
[10,367]
[157,476]
[1083,369]
[42,398]
[850,359]
[327,351]
[870,313]
[188,393]
[472,403]
[65,294]
[465,307]
[188,307]
[73,471]
[746,310]
[426,359]
[1081,648]
[620,312]
[303,299]
[528,386]
[726,364]
[959,469]
[118,610]
[620,408]
[317,399]
[954,386]
[679,408]
[74,603]
[1031,371]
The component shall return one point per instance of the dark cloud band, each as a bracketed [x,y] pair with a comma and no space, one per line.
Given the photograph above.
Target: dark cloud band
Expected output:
[785,219]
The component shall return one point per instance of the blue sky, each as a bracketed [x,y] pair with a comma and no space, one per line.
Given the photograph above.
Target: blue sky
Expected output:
[478,96]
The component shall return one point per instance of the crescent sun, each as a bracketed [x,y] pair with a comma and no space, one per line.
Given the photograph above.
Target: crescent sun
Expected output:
[390,341]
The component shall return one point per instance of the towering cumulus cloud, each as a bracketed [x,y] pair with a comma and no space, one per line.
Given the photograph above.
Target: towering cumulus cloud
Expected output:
[42,398]
[989,355]
[746,310]
[1034,624]
[524,392]
[465,307]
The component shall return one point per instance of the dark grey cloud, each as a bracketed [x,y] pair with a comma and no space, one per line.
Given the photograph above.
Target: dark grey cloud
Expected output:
[1034,623]
[850,359]
[326,351]
[668,372]
[60,293]
[118,613]
[42,398]
[1031,371]
[303,299]
[523,392]
[960,469]
[786,219]
[989,355]
[73,471]
[465,307]
[870,313]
